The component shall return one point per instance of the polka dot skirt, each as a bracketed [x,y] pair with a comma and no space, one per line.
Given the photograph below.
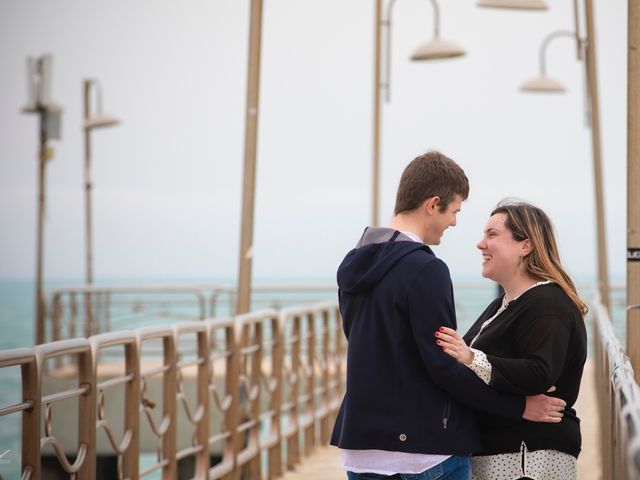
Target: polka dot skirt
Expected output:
[538,465]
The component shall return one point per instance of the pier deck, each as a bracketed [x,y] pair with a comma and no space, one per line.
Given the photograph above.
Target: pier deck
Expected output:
[324,463]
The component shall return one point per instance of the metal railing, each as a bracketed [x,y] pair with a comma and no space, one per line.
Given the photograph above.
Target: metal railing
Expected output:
[618,402]
[89,310]
[268,386]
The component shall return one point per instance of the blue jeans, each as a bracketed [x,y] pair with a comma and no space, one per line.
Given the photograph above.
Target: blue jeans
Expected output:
[453,468]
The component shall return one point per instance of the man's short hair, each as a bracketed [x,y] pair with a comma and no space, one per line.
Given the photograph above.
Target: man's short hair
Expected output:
[429,175]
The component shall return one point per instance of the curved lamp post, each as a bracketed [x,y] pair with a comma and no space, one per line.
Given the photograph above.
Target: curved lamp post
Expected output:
[435,48]
[586,50]
[544,83]
[514,4]
[92,120]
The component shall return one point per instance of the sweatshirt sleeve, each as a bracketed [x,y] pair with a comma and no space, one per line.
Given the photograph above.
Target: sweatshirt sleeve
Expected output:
[541,345]
[431,305]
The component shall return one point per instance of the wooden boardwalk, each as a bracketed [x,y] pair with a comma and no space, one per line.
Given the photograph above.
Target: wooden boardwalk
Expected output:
[324,463]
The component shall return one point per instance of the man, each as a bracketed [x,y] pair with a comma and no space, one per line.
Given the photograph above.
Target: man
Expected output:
[408,407]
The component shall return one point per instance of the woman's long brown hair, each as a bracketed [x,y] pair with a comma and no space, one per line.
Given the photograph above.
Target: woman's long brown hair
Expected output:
[543,262]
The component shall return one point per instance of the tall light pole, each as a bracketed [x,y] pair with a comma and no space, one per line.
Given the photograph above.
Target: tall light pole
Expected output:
[596,148]
[49,114]
[243,302]
[545,84]
[436,48]
[91,121]
[633,188]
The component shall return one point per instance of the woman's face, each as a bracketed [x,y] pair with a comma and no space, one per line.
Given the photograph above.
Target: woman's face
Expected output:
[501,253]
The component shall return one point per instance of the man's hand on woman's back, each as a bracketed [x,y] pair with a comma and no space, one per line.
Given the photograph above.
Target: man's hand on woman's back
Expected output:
[541,408]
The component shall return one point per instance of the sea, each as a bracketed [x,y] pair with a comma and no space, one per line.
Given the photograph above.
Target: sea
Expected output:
[17,329]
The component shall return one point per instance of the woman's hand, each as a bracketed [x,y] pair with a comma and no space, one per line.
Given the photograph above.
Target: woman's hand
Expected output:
[453,345]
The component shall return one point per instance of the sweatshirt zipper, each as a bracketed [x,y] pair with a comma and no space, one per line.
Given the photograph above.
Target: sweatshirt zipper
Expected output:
[445,414]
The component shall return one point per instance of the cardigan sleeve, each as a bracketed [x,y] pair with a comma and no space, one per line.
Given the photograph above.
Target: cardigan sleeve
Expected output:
[541,346]
[481,365]
[432,288]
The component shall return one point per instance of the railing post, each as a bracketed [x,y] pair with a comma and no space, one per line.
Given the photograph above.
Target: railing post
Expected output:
[31,434]
[87,413]
[132,405]
[255,471]
[107,310]
[310,381]
[325,400]
[293,442]
[56,315]
[170,381]
[277,352]
[232,384]
[202,430]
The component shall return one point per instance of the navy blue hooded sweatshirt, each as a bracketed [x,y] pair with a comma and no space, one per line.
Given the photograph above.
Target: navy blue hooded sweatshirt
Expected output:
[403,392]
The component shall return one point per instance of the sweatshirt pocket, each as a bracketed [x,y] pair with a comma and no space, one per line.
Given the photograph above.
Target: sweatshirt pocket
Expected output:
[446,412]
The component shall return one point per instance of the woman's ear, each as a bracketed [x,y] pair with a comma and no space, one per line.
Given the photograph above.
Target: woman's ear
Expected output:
[526,248]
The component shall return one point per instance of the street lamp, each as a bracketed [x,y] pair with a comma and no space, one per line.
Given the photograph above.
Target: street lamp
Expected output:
[436,48]
[91,121]
[515,4]
[586,49]
[544,83]
[50,116]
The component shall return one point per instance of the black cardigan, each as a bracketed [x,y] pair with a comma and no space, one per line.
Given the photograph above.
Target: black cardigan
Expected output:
[540,340]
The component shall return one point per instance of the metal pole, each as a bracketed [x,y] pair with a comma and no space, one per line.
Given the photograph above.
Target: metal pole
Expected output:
[43,156]
[88,310]
[87,186]
[592,84]
[377,110]
[633,187]
[250,149]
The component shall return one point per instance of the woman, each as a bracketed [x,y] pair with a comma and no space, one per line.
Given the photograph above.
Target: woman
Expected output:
[527,341]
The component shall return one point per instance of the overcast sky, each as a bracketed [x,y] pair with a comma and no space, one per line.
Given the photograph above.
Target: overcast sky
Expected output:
[167,181]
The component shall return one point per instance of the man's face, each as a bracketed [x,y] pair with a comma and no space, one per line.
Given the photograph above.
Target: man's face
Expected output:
[440,221]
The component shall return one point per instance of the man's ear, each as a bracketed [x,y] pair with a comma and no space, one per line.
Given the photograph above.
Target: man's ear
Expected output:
[431,205]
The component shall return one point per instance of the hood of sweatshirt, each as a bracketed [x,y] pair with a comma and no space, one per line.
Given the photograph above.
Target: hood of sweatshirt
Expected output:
[376,253]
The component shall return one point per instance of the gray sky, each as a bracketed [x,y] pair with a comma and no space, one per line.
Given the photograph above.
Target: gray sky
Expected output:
[167,181]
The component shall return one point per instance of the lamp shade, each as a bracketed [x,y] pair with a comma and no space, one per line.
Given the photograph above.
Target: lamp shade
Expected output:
[100,121]
[542,84]
[517,4]
[437,48]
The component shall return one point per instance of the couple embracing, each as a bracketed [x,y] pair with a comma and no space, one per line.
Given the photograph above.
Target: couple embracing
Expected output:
[422,402]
